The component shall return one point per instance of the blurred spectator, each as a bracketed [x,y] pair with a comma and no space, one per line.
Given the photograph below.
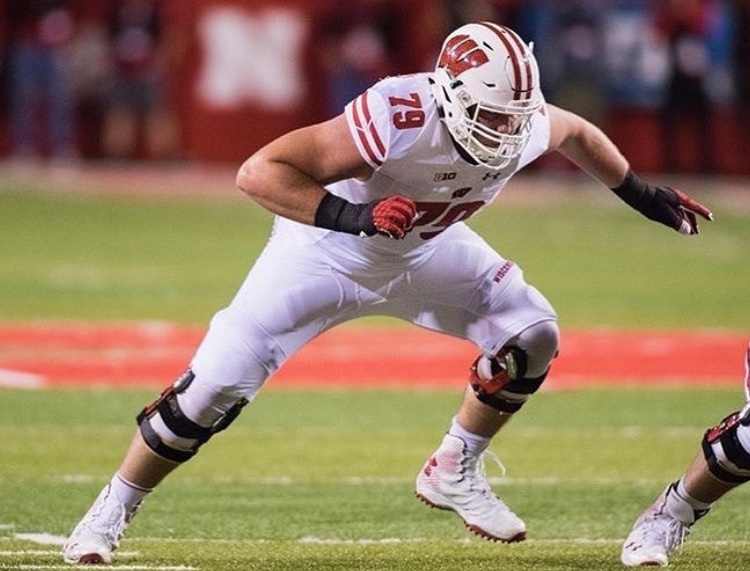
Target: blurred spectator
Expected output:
[684,24]
[460,12]
[3,84]
[361,41]
[355,48]
[137,120]
[569,51]
[741,60]
[40,105]
[88,62]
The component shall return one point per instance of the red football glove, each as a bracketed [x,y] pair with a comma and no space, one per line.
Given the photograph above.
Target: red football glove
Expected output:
[685,210]
[394,216]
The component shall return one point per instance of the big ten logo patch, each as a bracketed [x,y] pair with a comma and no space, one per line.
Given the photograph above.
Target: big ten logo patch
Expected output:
[443,176]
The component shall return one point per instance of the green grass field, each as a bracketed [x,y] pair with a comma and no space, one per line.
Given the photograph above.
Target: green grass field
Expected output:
[322,480]
[600,263]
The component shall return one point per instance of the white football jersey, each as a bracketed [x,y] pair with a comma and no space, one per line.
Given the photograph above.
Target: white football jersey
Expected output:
[443,276]
[398,131]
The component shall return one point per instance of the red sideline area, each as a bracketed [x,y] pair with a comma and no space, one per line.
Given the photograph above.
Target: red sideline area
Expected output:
[153,354]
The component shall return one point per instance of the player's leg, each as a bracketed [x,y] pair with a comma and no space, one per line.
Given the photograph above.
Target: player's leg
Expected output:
[665,524]
[276,311]
[468,291]
[500,384]
[722,464]
[453,477]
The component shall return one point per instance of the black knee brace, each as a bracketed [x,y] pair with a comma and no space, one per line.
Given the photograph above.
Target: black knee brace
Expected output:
[507,388]
[727,459]
[168,409]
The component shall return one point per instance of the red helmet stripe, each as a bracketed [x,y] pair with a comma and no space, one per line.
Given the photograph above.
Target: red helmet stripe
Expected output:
[366,131]
[523,74]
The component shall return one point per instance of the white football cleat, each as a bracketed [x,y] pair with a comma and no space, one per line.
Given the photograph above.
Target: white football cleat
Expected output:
[451,480]
[98,534]
[656,534]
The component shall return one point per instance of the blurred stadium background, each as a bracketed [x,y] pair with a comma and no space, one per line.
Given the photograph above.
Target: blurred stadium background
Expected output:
[213,80]
[122,124]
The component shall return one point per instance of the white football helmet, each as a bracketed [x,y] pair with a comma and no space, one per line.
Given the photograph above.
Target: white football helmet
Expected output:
[485,70]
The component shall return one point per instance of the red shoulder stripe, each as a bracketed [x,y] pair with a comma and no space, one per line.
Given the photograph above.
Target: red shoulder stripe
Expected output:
[366,131]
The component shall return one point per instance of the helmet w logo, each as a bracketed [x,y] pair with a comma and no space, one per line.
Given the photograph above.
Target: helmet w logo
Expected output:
[461,53]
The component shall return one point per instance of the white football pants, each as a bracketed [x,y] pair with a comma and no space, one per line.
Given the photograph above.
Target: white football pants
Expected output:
[458,286]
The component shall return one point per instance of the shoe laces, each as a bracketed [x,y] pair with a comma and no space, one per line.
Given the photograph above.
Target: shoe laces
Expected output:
[666,531]
[109,519]
[475,471]
[677,533]
[481,463]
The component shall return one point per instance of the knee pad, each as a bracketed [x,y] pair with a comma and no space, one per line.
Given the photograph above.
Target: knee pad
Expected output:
[501,381]
[725,455]
[540,342]
[169,432]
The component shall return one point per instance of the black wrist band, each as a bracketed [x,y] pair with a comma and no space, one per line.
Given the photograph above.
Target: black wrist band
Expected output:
[634,192]
[335,213]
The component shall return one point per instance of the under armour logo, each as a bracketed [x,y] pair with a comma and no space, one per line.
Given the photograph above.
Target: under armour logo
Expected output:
[492,175]
[429,466]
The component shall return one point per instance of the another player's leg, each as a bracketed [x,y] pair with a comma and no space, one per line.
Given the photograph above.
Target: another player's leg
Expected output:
[454,477]
[722,464]
[666,523]
[663,527]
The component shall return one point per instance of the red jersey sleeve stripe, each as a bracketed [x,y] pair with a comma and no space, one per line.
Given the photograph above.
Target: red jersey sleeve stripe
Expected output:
[366,131]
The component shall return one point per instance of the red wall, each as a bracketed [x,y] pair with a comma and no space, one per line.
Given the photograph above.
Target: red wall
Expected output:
[274,48]
[637,132]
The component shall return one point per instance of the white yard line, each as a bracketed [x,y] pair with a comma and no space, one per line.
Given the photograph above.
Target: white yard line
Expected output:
[21,379]
[41,538]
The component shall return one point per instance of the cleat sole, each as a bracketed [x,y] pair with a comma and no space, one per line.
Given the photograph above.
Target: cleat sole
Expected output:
[431,504]
[521,536]
[91,559]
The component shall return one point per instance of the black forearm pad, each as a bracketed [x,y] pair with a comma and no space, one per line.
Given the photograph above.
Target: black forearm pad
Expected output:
[634,192]
[335,213]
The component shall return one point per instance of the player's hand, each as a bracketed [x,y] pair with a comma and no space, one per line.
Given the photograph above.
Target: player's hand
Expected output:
[394,216]
[674,208]
[665,204]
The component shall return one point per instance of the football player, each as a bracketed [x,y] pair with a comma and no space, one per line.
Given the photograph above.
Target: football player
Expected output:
[371,209]
[722,464]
